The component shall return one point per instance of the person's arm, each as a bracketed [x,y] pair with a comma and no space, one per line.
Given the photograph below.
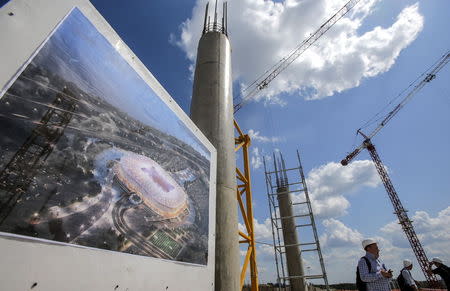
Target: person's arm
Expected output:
[365,274]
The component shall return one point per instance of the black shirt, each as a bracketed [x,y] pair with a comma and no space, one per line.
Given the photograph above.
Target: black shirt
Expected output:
[444,272]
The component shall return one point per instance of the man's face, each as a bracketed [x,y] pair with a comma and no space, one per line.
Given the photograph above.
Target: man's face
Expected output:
[409,267]
[373,249]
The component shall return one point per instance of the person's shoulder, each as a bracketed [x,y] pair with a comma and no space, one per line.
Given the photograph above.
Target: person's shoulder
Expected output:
[363,258]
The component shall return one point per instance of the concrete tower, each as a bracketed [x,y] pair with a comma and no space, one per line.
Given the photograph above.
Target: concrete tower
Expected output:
[212,112]
[293,256]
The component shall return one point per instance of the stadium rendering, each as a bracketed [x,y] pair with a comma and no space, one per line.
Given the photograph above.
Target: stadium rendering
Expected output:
[147,179]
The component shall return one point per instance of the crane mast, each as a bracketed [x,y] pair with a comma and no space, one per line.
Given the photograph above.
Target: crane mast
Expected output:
[294,54]
[400,211]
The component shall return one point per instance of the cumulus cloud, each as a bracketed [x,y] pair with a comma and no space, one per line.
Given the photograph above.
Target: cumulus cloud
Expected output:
[264,31]
[433,232]
[256,136]
[341,245]
[337,234]
[263,231]
[264,250]
[330,183]
[256,158]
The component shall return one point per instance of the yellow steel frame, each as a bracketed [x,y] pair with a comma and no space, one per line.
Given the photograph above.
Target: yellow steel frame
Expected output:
[244,187]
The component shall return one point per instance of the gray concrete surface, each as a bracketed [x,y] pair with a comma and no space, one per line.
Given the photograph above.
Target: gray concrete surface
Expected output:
[293,256]
[212,112]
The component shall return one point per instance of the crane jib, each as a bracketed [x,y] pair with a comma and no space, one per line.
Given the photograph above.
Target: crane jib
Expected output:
[428,78]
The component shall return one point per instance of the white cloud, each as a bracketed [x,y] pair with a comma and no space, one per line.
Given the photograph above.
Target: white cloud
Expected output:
[264,252]
[256,158]
[328,184]
[264,31]
[341,244]
[263,231]
[333,206]
[256,136]
[433,232]
[337,234]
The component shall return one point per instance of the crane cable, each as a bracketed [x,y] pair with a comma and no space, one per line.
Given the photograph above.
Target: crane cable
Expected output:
[430,75]
[374,119]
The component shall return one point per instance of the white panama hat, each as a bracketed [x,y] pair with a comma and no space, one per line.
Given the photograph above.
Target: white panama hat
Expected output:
[437,260]
[367,242]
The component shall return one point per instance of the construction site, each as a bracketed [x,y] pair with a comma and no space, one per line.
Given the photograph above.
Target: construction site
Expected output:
[288,145]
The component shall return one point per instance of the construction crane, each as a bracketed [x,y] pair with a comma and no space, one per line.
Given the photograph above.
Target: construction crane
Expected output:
[263,81]
[400,211]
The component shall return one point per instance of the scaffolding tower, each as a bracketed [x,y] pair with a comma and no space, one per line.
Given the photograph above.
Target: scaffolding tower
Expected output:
[302,210]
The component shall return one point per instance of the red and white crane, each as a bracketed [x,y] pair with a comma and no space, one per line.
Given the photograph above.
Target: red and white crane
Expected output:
[400,211]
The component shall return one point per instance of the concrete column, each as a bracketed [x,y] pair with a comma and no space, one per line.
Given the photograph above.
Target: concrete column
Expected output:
[293,256]
[212,112]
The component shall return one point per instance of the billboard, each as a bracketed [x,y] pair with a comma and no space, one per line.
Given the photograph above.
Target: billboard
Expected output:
[92,156]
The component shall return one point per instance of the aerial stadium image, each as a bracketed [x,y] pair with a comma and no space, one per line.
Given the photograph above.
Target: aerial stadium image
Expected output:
[82,164]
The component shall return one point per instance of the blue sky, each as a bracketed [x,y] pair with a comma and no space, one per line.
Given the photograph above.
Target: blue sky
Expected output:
[396,45]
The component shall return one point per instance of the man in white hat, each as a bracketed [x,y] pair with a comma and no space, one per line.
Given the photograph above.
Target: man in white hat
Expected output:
[371,274]
[405,280]
[441,269]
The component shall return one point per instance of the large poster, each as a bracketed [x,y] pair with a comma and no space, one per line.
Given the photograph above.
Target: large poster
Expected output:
[90,154]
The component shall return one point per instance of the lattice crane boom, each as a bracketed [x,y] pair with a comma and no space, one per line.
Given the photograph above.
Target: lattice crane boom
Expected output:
[294,54]
[428,78]
[401,213]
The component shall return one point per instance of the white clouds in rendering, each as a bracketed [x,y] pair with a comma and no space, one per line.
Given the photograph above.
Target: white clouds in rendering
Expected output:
[264,31]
